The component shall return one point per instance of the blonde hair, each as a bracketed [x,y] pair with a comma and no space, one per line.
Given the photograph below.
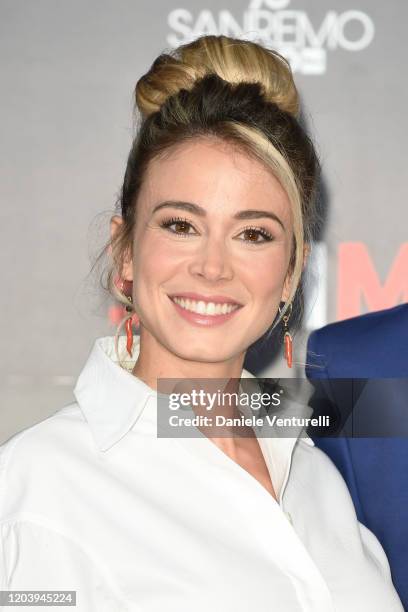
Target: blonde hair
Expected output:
[233,60]
[240,92]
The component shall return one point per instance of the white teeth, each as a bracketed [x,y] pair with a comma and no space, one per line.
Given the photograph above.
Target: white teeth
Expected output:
[205,308]
[199,307]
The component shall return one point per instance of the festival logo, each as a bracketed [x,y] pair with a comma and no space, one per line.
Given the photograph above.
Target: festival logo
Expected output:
[304,41]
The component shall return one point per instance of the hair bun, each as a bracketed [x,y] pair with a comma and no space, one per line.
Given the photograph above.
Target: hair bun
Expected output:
[232,59]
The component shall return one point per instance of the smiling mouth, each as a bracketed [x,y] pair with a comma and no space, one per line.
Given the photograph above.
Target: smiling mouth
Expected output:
[205,308]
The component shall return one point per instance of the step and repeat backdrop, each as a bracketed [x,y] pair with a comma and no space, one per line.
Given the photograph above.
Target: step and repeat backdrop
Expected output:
[68,74]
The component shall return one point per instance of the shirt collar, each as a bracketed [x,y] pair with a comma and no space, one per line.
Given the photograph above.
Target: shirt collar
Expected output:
[111,398]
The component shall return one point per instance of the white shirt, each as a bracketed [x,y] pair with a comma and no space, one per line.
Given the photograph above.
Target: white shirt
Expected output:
[92,500]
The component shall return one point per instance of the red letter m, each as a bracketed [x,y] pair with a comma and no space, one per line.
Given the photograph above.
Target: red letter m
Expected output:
[357,279]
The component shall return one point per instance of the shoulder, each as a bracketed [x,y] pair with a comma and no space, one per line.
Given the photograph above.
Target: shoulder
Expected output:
[49,432]
[33,460]
[348,345]
[379,320]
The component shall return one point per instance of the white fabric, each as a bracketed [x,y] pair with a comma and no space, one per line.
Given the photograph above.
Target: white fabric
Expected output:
[92,500]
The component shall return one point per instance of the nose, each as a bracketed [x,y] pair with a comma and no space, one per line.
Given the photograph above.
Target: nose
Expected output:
[211,261]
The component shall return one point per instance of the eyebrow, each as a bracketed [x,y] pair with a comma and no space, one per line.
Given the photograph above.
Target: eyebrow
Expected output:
[201,212]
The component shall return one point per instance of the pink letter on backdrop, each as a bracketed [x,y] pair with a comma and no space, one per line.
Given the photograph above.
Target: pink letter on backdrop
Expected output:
[357,279]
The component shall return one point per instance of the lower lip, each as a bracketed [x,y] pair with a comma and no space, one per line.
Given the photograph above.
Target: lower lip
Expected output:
[204,320]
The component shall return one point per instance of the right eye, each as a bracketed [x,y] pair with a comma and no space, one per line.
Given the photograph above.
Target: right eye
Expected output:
[182,224]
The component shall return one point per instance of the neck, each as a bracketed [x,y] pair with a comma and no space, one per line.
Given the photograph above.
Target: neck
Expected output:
[156,361]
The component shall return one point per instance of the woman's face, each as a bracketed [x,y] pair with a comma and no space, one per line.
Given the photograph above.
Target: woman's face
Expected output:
[226,238]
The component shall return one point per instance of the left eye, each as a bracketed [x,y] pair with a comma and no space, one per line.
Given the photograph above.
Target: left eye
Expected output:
[253,233]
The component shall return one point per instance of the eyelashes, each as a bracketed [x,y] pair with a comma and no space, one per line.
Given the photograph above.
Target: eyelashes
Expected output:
[182,222]
[167,223]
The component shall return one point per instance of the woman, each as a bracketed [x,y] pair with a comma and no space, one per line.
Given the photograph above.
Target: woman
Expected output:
[217,207]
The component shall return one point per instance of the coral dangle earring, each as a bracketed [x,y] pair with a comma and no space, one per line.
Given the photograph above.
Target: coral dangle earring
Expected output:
[128,324]
[287,339]
[129,331]
[288,349]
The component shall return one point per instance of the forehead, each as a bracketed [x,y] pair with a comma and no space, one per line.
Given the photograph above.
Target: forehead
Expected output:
[216,175]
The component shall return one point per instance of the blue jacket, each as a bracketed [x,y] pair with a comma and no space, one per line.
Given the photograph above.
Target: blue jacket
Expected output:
[371,346]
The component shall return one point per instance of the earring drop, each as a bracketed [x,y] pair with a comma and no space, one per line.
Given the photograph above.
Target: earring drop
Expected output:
[287,338]
[128,324]
[129,331]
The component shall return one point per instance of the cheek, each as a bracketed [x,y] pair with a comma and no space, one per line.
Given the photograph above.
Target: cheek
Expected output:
[153,265]
[266,277]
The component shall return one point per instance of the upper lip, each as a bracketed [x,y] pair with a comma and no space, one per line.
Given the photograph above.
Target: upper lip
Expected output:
[216,299]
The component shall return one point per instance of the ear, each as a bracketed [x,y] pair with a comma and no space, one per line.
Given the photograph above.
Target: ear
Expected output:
[287,286]
[116,224]
[306,253]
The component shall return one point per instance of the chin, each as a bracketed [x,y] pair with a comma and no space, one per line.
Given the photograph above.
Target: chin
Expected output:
[192,347]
